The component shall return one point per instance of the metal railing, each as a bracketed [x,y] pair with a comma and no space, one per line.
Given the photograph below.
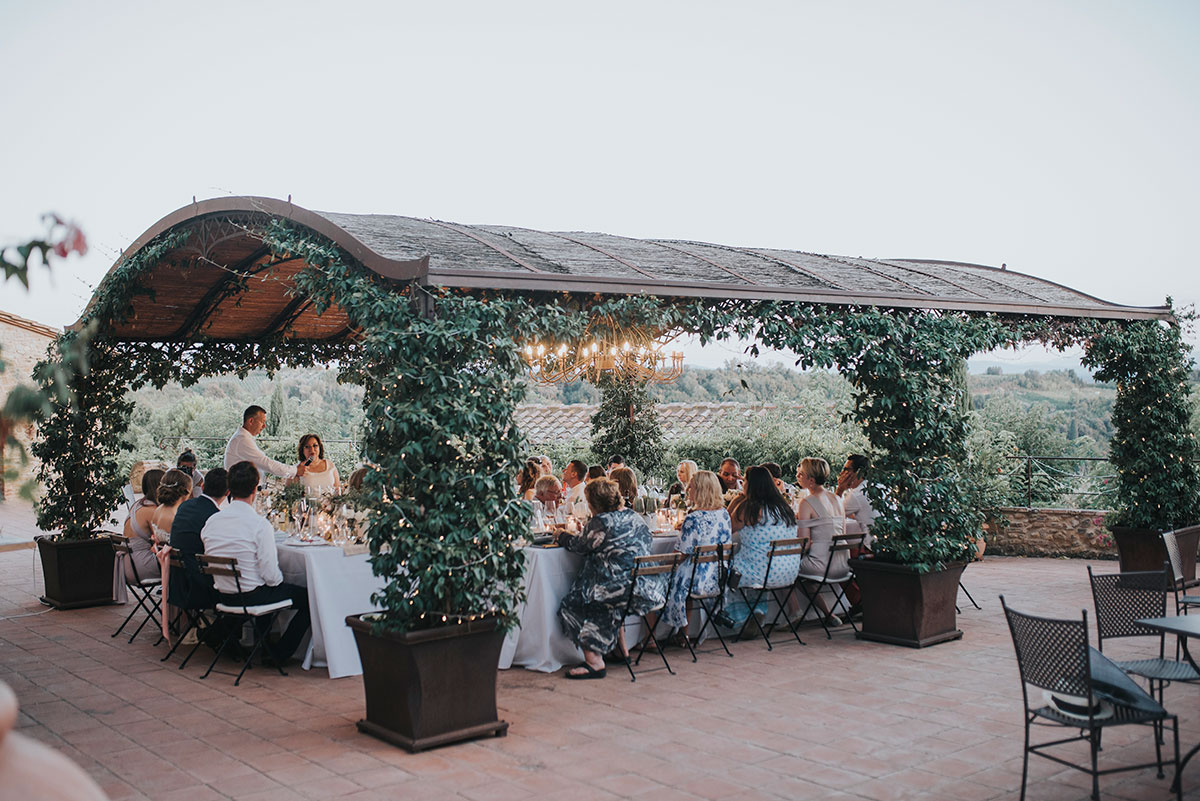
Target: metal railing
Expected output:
[1048,484]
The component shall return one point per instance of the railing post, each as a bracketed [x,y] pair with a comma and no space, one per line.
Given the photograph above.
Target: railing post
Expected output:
[1028,482]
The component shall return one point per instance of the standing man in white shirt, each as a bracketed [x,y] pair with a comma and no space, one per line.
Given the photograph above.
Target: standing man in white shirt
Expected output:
[240,532]
[243,448]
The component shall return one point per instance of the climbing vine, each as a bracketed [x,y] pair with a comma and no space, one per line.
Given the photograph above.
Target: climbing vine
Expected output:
[441,377]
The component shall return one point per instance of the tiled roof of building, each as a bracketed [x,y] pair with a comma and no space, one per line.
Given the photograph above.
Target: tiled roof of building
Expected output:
[563,422]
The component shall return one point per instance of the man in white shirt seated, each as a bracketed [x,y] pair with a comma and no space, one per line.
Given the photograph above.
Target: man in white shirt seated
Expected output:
[240,532]
[852,487]
[574,480]
[243,448]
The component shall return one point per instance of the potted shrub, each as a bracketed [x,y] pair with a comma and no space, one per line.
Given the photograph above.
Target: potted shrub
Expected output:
[1156,456]
[80,477]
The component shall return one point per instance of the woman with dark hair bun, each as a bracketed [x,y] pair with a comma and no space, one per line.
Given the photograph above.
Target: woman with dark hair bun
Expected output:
[137,529]
[174,489]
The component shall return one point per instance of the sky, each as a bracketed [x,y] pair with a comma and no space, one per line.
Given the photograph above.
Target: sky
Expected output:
[1058,138]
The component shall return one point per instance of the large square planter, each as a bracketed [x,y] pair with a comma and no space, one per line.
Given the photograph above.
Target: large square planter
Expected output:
[433,687]
[904,607]
[1142,549]
[77,573]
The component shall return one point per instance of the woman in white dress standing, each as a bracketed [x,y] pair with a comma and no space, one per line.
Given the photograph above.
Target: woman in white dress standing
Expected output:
[320,476]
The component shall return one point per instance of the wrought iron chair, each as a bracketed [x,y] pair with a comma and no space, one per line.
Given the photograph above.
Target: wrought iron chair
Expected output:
[650,567]
[776,580]
[142,589]
[261,615]
[1085,691]
[835,582]
[1178,586]
[710,603]
[1121,600]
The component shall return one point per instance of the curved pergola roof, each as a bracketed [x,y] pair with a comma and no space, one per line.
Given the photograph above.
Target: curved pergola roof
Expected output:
[215,285]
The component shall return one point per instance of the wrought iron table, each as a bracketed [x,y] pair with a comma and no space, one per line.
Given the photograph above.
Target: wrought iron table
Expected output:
[1183,626]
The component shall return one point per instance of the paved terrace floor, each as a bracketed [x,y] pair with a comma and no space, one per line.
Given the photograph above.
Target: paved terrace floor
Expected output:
[838,719]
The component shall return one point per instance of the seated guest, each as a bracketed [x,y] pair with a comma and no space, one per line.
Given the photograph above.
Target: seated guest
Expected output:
[786,489]
[187,463]
[355,482]
[575,478]
[240,532]
[759,516]
[320,476]
[596,471]
[137,529]
[706,524]
[547,466]
[547,490]
[530,472]
[190,589]
[615,462]
[821,519]
[173,489]
[593,610]
[685,472]
[852,488]
[626,483]
[730,475]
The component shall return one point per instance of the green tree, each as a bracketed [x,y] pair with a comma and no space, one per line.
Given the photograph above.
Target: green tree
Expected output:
[277,413]
[627,423]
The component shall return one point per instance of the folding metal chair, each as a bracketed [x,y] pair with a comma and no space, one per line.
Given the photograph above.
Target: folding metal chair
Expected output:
[710,603]
[260,615]
[196,620]
[1182,602]
[775,581]
[1121,600]
[649,567]
[1085,691]
[836,582]
[142,589]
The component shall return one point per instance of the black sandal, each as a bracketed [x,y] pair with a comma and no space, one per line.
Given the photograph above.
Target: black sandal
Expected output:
[592,673]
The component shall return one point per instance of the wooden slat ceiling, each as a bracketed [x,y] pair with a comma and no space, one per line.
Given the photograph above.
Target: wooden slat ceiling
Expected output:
[219,284]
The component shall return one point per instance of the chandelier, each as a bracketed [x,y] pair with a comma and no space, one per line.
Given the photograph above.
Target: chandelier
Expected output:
[630,352]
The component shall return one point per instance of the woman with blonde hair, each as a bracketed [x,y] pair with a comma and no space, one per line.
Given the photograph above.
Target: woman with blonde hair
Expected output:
[174,489]
[821,518]
[685,472]
[706,524]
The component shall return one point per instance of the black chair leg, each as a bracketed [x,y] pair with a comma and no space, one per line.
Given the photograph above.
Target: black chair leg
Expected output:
[220,650]
[1025,761]
[963,587]
[751,616]
[708,621]
[1095,749]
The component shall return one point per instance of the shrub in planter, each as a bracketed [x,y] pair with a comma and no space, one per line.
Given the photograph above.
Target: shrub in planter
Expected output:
[1153,449]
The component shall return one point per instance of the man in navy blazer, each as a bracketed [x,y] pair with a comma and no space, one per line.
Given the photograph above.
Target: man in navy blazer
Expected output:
[190,589]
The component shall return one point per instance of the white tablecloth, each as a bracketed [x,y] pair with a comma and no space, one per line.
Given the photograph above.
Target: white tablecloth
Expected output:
[539,642]
[338,585]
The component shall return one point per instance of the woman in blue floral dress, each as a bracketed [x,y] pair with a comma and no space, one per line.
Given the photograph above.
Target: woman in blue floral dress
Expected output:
[760,515]
[593,610]
[707,524]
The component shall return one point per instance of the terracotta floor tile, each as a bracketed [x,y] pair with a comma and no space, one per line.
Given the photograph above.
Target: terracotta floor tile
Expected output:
[838,718]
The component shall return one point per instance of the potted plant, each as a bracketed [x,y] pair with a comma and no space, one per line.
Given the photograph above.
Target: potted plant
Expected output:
[81,480]
[1156,456]
[444,517]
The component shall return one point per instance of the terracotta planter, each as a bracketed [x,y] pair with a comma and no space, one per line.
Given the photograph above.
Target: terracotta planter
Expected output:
[78,573]
[1142,549]
[904,607]
[433,687]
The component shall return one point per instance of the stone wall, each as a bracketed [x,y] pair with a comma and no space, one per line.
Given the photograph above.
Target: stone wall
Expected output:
[23,344]
[1051,532]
